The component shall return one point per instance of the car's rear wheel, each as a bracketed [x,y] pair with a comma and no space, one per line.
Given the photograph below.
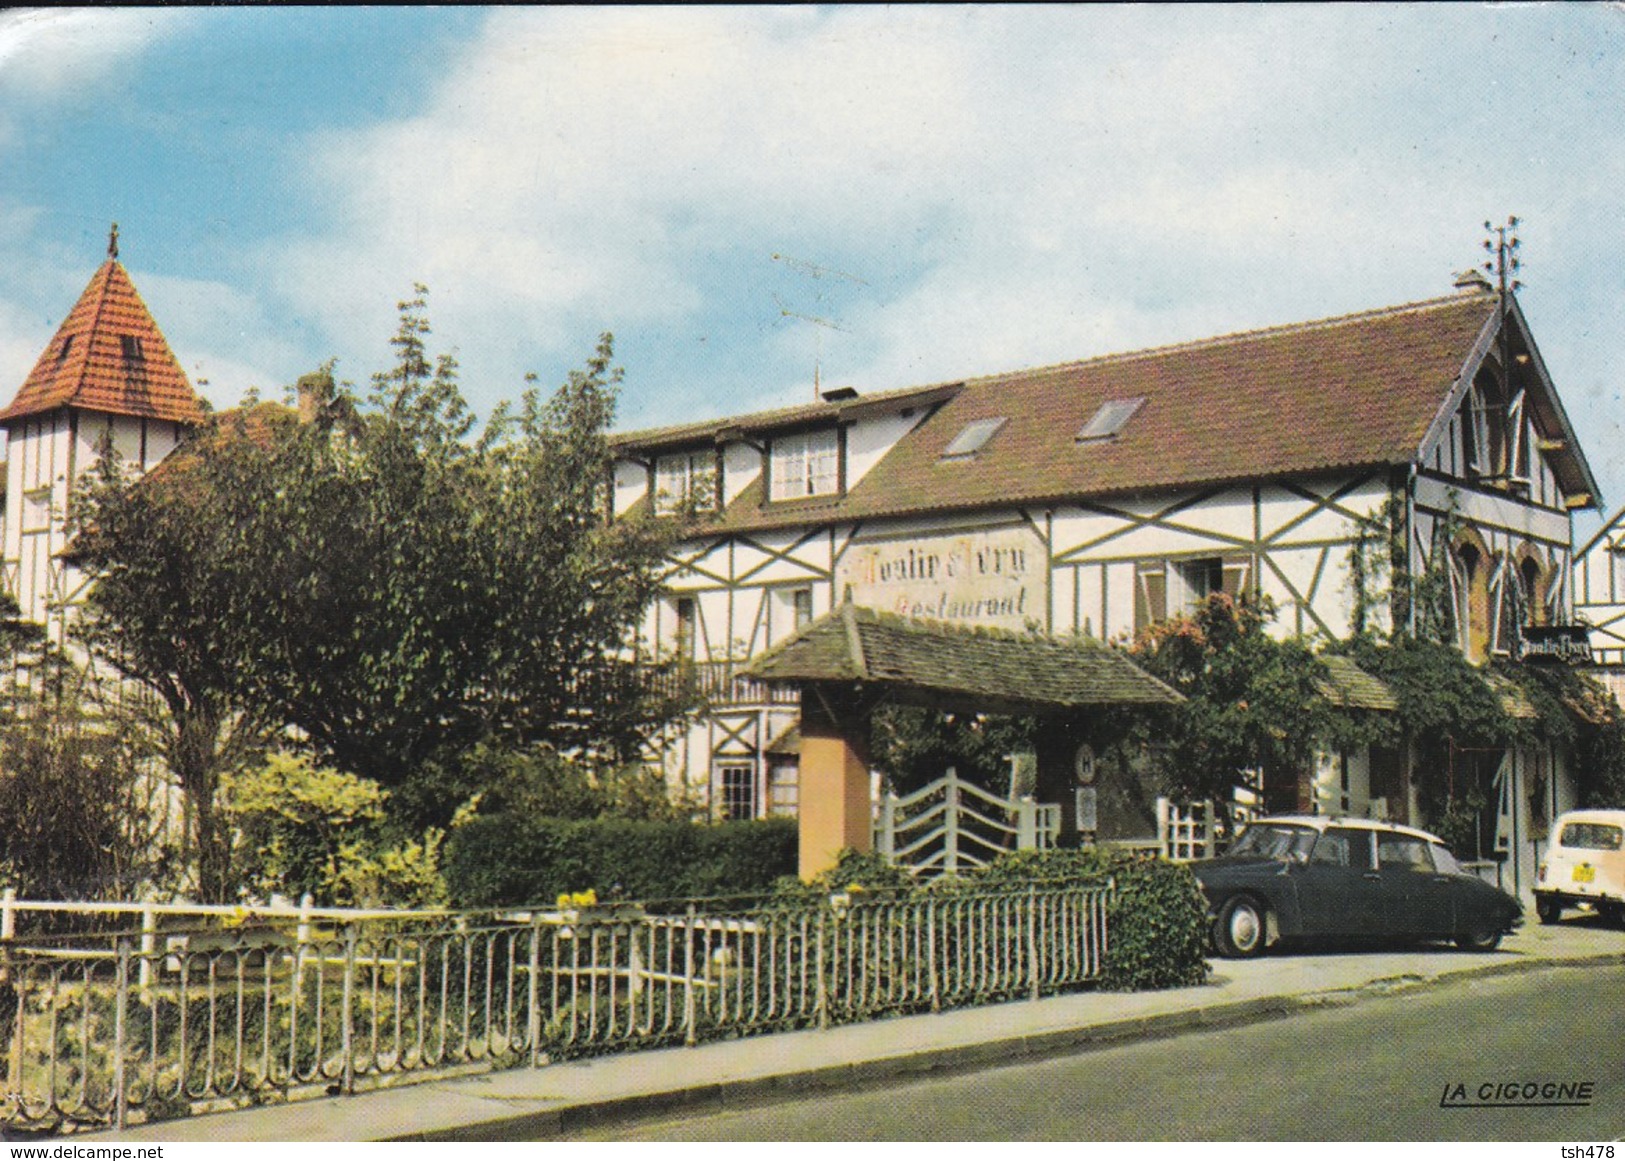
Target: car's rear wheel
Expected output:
[1611,913]
[1240,929]
[1479,941]
[1549,910]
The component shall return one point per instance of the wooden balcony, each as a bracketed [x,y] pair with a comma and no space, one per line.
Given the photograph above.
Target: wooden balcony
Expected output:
[719,684]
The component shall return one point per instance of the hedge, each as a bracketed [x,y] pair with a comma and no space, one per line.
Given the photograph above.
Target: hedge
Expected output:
[1156,923]
[509,860]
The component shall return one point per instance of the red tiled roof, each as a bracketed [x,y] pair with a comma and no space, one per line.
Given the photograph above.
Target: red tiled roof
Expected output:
[1359,391]
[108,356]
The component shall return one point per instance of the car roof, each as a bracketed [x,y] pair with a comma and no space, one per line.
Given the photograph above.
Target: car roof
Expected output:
[1614,817]
[1322,821]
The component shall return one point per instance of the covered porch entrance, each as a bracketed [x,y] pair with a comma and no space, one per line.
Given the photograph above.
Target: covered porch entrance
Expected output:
[855,659]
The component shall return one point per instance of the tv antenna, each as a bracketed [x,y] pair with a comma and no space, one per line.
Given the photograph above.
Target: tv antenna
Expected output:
[818,273]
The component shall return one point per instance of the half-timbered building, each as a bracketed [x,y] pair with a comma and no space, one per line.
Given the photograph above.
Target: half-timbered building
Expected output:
[1100,496]
[107,379]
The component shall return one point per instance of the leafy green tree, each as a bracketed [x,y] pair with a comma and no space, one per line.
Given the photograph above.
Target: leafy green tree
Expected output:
[1253,702]
[173,560]
[431,590]
[915,746]
[391,584]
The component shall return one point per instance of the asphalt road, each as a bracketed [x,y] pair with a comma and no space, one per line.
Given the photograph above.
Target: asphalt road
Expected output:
[1378,1070]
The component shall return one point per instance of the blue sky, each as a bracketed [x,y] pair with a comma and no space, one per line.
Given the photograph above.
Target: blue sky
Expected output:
[962,190]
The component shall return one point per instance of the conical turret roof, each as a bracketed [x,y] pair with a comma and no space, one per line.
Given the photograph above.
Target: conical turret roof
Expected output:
[108,356]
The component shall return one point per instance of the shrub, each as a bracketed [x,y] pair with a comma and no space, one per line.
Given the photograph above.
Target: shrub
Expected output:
[509,859]
[1156,921]
[306,828]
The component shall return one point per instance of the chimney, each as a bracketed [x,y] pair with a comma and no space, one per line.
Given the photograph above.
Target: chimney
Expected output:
[314,391]
[1473,281]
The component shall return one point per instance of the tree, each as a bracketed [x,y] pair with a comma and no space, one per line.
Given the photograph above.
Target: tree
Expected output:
[391,585]
[173,559]
[1252,702]
[433,590]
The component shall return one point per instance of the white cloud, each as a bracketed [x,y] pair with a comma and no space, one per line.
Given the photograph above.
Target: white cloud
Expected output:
[1019,186]
[46,52]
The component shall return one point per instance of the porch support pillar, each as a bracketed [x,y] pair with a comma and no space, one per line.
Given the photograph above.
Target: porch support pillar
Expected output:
[834,803]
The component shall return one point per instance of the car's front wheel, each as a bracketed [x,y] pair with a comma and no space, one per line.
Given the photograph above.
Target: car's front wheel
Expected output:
[1549,910]
[1479,941]
[1240,929]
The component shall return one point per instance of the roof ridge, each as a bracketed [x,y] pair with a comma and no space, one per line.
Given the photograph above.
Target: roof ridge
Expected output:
[1234,337]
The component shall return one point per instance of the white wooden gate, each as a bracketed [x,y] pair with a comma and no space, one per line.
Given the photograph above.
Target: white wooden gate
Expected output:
[952,825]
[1193,830]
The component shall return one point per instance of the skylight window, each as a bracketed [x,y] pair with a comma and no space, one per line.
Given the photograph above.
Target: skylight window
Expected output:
[971,440]
[1112,417]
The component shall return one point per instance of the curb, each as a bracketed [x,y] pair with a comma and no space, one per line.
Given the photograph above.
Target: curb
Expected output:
[718,1096]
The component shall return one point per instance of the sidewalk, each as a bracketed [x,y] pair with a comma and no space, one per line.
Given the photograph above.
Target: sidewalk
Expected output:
[523,1103]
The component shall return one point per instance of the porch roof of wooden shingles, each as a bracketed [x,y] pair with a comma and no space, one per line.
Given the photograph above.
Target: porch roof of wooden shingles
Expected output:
[958,668]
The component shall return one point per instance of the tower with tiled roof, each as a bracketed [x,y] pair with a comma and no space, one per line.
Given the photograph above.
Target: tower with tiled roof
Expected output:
[107,375]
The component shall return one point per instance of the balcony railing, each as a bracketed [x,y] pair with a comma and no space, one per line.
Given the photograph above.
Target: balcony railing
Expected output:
[719,683]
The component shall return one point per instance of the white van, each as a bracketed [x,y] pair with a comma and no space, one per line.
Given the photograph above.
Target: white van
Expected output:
[1585,864]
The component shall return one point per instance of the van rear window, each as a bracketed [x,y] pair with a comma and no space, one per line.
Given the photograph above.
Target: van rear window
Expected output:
[1591,836]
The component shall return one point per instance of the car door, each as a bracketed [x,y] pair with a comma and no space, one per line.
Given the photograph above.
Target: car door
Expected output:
[1339,889]
[1417,898]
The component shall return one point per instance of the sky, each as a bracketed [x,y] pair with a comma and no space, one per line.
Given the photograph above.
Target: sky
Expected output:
[749,197]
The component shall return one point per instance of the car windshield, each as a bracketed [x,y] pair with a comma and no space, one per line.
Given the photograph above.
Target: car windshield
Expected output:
[1274,840]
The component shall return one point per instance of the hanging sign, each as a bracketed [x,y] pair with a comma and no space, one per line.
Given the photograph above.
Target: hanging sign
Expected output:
[1569,644]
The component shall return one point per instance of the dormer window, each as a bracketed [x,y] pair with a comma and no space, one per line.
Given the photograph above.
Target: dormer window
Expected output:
[1112,417]
[807,464]
[132,348]
[67,345]
[686,480]
[973,437]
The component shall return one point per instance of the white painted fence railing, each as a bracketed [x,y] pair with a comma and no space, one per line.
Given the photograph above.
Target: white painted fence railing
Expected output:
[952,825]
[1190,831]
[119,1029]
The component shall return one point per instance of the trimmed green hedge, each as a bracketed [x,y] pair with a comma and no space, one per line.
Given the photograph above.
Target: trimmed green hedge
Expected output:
[1157,928]
[1156,924]
[510,860]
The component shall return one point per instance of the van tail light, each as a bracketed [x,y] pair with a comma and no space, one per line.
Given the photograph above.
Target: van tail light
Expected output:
[1540,873]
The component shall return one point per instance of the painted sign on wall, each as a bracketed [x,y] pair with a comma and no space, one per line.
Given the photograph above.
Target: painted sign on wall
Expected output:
[997,577]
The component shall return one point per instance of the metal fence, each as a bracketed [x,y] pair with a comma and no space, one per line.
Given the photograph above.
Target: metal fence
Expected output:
[143,1028]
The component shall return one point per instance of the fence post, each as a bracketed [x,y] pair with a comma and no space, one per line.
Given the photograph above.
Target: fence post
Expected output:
[347,1026]
[1032,938]
[823,984]
[121,1015]
[535,1023]
[950,823]
[301,941]
[1026,824]
[149,944]
[690,1032]
[8,913]
[1162,826]
[931,954]
[888,826]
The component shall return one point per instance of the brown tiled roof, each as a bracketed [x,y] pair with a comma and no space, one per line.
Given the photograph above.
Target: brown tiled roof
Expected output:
[108,356]
[957,667]
[1355,392]
[782,418]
